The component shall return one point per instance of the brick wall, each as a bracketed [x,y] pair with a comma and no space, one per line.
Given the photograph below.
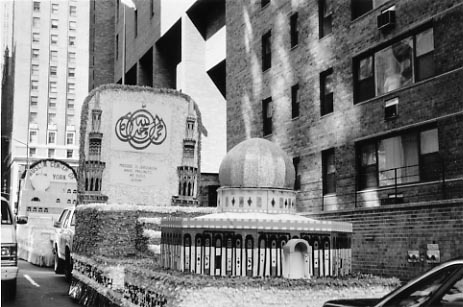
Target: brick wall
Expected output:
[436,100]
[383,236]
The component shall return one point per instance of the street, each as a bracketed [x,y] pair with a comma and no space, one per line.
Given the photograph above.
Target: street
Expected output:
[39,287]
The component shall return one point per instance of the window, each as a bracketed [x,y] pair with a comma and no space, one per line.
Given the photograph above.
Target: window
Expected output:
[329,171]
[35,22]
[71,88]
[70,119]
[425,55]
[69,153]
[32,151]
[72,11]
[325,11]
[267,113]
[35,54]
[264,3]
[34,85]
[293,30]
[34,101]
[454,294]
[52,102]
[51,154]
[295,101]
[266,51]
[54,39]
[70,138]
[51,137]
[34,69]
[72,41]
[70,104]
[53,71]
[51,118]
[53,56]
[72,26]
[71,57]
[391,108]
[297,182]
[54,8]
[405,158]
[36,6]
[36,37]
[33,117]
[53,87]
[395,66]
[54,24]
[429,155]
[33,136]
[360,7]
[326,92]
[152,7]
[136,22]
[71,72]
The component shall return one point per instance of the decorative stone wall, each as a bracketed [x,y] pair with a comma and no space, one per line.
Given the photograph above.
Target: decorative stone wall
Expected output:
[237,252]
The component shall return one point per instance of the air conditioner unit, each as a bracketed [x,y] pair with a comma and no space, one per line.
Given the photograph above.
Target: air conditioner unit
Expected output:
[391,108]
[386,20]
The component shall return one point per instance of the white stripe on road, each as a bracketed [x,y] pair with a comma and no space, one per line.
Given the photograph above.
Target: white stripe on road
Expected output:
[31,280]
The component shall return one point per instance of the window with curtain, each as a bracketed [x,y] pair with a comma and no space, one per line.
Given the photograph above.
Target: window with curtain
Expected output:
[400,64]
[406,158]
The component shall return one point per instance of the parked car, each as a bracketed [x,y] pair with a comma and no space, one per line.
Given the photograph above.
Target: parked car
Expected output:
[62,244]
[9,248]
[441,286]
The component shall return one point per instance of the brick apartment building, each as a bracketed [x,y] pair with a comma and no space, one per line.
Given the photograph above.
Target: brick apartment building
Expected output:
[168,44]
[366,96]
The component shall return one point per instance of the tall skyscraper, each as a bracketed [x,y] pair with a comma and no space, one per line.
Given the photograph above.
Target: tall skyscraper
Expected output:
[50,55]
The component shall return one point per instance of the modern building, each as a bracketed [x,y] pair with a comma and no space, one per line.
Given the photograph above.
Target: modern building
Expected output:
[50,55]
[168,44]
[366,97]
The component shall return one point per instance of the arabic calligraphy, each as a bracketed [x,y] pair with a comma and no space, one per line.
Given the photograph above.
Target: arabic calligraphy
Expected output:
[141,129]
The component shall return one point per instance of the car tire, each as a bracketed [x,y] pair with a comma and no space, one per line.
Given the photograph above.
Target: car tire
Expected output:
[68,266]
[59,264]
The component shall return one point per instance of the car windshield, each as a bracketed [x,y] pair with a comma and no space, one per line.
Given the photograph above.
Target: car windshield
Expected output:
[6,216]
[417,293]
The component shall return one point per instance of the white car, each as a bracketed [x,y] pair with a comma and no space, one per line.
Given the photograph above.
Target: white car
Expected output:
[62,244]
[9,248]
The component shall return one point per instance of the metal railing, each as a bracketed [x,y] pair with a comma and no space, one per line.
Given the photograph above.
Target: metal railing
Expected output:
[434,180]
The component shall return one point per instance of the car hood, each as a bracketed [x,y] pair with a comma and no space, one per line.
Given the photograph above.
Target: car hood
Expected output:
[8,234]
[361,302]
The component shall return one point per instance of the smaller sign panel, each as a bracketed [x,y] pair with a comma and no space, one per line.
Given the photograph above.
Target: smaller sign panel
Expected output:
[135,171]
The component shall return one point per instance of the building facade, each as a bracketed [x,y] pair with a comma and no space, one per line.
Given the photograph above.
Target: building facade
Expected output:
[366,98]
[178,45]
[50,55]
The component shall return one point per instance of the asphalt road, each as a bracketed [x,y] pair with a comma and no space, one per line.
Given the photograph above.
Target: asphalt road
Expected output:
[39,287]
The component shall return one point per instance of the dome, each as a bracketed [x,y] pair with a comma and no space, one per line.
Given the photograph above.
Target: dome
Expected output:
[259,163]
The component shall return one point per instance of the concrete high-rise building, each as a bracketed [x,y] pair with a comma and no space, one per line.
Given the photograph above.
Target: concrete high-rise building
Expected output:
[366,96]
[169,44]
[50,55]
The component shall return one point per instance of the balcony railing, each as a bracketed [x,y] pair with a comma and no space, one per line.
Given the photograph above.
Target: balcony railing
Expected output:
[427,181]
